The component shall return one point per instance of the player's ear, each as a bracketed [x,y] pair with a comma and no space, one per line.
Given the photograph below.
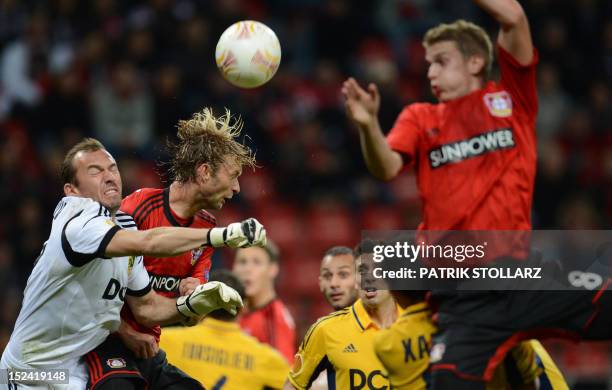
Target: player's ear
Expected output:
[204,172]
[475,64]
[70,189]
[274,269]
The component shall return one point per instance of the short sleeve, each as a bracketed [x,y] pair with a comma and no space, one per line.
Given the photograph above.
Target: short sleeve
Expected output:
[132,201]
[520,81]
[310,359]
[404,135]
[86,235]
[274,368]
[138,282]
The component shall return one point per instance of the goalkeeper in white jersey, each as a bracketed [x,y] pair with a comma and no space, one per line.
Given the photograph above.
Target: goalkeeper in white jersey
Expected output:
[91,263]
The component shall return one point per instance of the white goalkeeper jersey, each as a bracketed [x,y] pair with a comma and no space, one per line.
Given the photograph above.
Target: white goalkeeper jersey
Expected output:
[74,295]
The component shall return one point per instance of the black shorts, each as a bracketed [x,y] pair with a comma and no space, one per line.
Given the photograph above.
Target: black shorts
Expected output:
[478,328]
[112,359]
[162,375]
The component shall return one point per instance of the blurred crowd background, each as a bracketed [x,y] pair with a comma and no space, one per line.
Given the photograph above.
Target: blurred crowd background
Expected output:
[126,71]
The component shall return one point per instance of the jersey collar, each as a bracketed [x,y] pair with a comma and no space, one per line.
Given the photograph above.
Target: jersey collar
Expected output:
[414,309]
[363,319]
[170,214]
[222,326]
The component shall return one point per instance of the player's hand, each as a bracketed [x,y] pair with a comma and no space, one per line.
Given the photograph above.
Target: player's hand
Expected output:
[143,345]
[361,105]
[239,234]
[208,297]
[187,285]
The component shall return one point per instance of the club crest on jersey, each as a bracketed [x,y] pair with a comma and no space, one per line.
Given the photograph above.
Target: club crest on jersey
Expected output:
[499,104]
[195,255]
[116,363]
[130,264]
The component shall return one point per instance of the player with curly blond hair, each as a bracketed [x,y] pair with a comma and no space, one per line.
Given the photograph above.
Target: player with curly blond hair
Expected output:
[206,161]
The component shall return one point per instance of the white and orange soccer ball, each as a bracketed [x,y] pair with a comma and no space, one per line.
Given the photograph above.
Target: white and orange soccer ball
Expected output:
[248,54]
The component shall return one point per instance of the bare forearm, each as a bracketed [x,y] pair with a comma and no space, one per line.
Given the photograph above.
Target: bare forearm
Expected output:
[514,35]
[155,309]
[158,242]
[381,160]
[506,12]
[170,241]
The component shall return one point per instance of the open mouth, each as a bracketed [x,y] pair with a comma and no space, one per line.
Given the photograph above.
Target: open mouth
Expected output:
[370,292]
[111,191]
[336,296]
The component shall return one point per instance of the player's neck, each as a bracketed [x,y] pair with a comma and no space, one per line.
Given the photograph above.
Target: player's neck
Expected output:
[384,314]
[181,200]
[474,84]
[261,299]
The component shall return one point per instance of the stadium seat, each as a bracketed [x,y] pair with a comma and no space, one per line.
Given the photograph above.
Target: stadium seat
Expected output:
[319,308]
[404,187]
[381,217]
[230,213]
[283,226]
[299,275]
[257,187]
[330,225]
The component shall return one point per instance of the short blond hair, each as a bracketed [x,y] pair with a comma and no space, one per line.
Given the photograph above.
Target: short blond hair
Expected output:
[206,139]
[471,39]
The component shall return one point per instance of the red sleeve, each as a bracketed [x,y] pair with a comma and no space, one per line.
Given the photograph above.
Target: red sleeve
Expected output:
[404,135]
[520,80]
[284,339]
[130,202]
[201,269]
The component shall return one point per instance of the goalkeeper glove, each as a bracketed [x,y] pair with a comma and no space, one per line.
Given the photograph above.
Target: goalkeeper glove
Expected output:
[208,297]
[238,234]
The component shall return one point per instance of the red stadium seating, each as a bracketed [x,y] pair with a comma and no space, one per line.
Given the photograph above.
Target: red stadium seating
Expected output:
[380,217]
[330,225]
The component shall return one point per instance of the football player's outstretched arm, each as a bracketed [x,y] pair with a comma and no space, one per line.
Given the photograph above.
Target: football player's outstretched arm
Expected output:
[362,109]
[171,241]
[153,309]
[514,35]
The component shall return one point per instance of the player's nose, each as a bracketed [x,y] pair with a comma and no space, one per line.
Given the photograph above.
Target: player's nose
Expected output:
[431,72]
[236,187]
[335,282]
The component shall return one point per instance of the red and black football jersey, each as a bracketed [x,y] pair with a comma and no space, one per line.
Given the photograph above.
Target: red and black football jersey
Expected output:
[150,208]
[475,156]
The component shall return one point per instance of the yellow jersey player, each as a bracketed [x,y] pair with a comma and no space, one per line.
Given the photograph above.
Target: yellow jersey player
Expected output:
[220,355]
[403,350]
[342,342]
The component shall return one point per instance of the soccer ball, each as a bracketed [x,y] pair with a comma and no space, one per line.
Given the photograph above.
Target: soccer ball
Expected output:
[248,54]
